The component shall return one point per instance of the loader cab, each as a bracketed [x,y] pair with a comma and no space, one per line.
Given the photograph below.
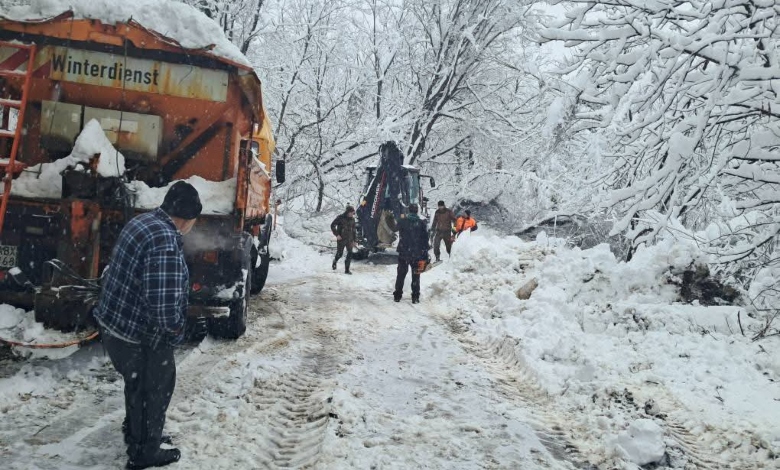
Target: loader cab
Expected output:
[411,190]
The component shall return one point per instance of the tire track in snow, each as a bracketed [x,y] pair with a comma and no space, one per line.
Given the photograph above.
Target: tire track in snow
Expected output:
[688,445]
[514,380]
[297,406]
[273,408]
[695,442]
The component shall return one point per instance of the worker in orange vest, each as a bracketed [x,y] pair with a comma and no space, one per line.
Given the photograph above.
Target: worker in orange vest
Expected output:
[465,222]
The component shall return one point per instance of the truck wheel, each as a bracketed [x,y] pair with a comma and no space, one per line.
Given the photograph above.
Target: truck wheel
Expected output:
[260,273]
[233,326]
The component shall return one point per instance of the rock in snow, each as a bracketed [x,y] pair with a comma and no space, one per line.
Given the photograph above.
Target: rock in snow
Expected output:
[524,292]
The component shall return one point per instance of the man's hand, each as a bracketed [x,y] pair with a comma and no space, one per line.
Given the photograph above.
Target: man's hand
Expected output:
[338,237]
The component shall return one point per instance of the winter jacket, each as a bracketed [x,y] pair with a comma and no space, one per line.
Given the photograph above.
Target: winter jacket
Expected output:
[443,219]
[344,226]
[145,288]
[413,245]
[465,223]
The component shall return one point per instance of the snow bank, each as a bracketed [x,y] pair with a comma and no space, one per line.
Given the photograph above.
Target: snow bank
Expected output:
[178,21]
[45,180]
[606,338]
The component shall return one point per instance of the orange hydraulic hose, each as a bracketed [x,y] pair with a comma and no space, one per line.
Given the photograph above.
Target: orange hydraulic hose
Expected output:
[79,342]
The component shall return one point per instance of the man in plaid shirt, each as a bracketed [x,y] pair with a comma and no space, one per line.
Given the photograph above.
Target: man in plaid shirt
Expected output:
[141,313]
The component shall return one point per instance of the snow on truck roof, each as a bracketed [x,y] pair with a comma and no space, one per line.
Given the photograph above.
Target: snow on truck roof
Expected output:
[184,24]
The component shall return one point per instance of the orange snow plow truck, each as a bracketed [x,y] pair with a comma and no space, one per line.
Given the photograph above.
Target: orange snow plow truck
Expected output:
[98,120]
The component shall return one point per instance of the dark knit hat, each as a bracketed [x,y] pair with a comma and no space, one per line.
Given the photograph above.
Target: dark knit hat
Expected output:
[349,209]
[413,208]
[182,201]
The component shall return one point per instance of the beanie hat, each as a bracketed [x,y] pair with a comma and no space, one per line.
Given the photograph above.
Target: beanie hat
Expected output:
[182,201]
[413,208]
[349,209]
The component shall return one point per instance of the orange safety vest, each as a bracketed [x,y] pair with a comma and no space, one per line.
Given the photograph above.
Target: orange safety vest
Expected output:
[463,224]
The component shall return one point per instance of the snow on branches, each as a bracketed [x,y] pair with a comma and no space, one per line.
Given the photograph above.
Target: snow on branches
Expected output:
[686,94]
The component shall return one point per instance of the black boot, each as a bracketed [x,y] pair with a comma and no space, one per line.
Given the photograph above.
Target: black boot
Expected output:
[396,296]
[415,299]
[160,458]
[164,439]
[333,265]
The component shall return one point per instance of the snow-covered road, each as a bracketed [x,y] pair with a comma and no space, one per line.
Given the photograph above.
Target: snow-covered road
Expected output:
[327,376]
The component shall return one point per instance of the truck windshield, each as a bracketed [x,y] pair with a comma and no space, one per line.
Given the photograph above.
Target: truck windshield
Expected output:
[413,180]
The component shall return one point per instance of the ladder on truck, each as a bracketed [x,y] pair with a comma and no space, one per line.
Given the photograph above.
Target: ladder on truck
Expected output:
[10,72]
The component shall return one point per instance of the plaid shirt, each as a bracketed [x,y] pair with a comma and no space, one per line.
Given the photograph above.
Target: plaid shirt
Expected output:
[145,288]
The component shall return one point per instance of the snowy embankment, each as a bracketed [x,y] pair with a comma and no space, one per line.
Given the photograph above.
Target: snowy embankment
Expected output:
[635,375]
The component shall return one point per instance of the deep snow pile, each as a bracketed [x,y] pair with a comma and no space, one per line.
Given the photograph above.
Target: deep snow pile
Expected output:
[178,21]
[44,180]
[609,341]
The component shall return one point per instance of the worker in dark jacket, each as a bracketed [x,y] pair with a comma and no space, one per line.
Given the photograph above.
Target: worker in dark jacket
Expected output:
[443,219]
[141,316]
[343,227]
[412,248]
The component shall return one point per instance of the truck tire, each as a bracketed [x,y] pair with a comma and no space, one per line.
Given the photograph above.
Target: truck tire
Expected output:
[234,325]
[260,273]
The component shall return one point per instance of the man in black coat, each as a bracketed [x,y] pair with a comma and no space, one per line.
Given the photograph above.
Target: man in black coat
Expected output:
[412,248]
[343,227]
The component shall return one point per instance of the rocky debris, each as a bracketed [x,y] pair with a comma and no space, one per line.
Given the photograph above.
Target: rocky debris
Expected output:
[525,291]
[652,408]
[696,283]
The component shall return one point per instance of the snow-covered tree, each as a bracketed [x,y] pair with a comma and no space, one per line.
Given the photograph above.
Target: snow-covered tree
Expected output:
[240,19]
[685,92]
[454,82]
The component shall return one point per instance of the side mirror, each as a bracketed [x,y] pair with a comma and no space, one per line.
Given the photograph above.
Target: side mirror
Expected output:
[433,182]
[280,168]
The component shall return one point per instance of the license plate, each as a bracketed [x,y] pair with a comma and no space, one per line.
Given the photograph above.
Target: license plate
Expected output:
[8,256]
